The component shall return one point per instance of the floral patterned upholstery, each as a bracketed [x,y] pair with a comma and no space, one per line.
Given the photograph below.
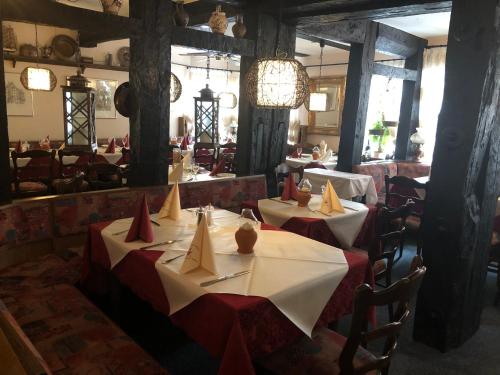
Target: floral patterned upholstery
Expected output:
[413,170]
[74,337]
[31,186]
[318,356]
[43,272]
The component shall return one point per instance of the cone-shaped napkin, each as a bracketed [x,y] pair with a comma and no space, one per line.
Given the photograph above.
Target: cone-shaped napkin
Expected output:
[172,206]
[62,146]
[331,201]
[111,147]
[176,174]
[184,143]
[187,159]
[219,168]
[201,252]
[19,147]
[141,227]
[126,142]
[326,156]
[290,190]
[295,154]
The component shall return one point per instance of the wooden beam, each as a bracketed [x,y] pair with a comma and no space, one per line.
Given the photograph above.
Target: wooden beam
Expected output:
[46,12]
[262,133]
[397,42]
[150,92]
[5,173]
[394,72]
[465,178]
[359,76]
[410,104]
[347,32]
[329,43]
[324,12]
[214,42]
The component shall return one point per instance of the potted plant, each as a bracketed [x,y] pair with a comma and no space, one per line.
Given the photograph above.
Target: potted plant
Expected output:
[379,134]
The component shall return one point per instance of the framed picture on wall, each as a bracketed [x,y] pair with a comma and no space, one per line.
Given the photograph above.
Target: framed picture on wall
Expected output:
[105,94]
[19,100]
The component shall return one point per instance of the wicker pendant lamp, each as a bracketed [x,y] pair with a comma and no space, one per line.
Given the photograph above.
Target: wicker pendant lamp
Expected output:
[35,78]
[278,82]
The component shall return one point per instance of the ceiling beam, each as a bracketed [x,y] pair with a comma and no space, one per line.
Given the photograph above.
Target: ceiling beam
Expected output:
[308,12]
[397,42]
[46,12]
[329,43]
[346,32]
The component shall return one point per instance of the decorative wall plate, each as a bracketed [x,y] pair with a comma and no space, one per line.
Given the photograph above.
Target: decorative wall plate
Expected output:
[122,100]
[64,47]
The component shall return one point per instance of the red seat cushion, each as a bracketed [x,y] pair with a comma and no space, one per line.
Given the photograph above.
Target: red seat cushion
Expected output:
[46,271]
[74,337]
[379,265]
[318,356]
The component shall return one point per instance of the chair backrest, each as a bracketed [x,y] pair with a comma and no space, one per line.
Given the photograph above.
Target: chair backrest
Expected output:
[30,359]
[399,293]
[103,172]
[398,189]
[204,154]
[39,168]
[125,155]
[314,164]
[80,164]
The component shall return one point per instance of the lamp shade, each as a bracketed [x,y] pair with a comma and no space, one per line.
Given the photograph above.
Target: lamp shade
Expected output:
[317,101]
[38,79]
[417,138]
[175,88]
[277,83]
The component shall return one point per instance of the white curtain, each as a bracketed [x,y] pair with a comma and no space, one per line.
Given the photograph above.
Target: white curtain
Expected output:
[195,79]
[431,96]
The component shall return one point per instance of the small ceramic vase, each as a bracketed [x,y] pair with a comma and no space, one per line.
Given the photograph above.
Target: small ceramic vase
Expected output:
[303,198]
[239,28]
[111,6]
[181,17]
[218,21]
[246,237]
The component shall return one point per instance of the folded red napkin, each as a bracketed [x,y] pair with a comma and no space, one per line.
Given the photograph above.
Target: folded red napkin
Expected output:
[290,190]
[295,154]
[19,147]
[219,168]
[184,143]
[126,142]
[141,227]
[111,147]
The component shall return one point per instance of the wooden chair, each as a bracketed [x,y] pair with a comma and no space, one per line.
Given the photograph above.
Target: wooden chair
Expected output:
[398,190]
[390,237]
[331,353]
[314,164]
[102,176]
[125,166]
[204,154]
[282,171]
[34,178]
[72,175]
[228,153]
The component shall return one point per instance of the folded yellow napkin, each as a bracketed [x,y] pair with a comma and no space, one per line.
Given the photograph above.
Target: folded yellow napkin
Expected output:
[187,159]
[201,252]
[61,147]
[176,174]
[331,201]
[171,208]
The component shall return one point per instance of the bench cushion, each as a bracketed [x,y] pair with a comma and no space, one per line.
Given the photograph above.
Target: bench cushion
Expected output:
[42,272]
[73,336]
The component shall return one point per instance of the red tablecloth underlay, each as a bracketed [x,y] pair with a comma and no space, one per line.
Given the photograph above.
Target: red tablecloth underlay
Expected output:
[318,229]
[234,328]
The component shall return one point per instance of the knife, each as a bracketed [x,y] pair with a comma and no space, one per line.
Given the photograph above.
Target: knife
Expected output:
[280,201]
[222,278]
[158,244]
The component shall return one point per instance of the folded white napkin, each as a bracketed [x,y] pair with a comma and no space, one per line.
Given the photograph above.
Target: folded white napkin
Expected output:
[326,156]
[176,174]
[331,201]
[201,252]
[172,206]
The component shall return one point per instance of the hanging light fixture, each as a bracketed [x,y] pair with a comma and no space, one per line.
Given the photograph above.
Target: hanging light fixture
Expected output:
[36,78]
[227,99]
[317,100]
[175,88]
[279,82]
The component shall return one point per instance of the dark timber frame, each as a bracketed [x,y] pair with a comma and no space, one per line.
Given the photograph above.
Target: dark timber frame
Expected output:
[465,180]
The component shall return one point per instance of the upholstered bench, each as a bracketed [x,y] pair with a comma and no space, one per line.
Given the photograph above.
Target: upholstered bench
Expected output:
[70,334]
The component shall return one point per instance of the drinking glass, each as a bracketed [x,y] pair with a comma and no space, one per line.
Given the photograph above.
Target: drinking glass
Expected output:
[195,167]
[299,151]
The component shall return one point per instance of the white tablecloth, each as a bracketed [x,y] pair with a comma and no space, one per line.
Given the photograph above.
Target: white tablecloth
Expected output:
[296,163]
[344,226]
[347,185]
[187,176]
[298,275]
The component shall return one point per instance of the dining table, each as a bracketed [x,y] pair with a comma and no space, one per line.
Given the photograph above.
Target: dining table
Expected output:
[202,176]
[292,284]
[306,159]
[347,185]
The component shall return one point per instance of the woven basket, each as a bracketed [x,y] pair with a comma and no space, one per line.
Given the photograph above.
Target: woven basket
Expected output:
[111,6]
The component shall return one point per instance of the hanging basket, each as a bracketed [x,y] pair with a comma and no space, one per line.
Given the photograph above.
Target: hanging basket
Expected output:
[277,83]
[111,6]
